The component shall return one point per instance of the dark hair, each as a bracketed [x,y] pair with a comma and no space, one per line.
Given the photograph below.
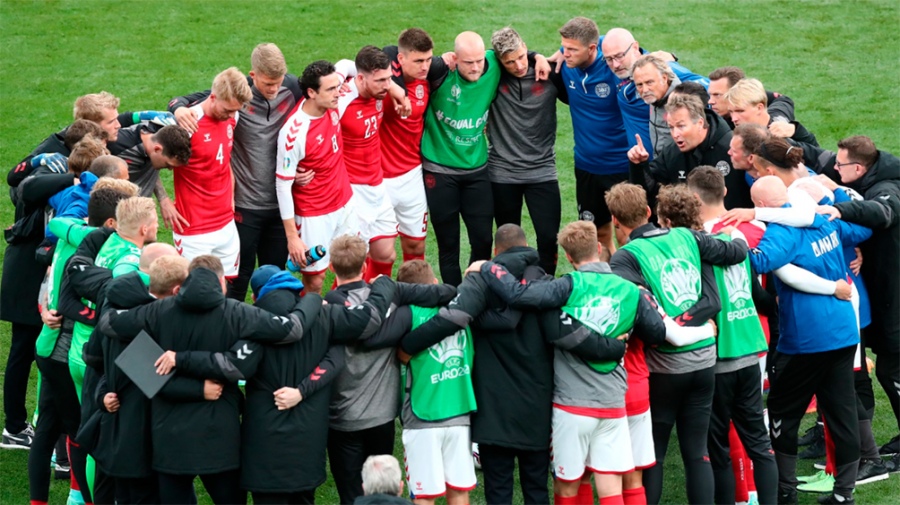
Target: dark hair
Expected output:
[509,235]
[708,183]
[860,149]
[175,142]
[677,204]
[415,39]
[209,262]
[370,59]
[733,74]
[778,153]
[752,136]
[106,165]
[415,272]
[80,128]
[693,88]
[102,205]
[312,75]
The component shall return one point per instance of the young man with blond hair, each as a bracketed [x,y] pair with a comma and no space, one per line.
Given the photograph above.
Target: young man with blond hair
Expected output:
[748,103]
[204,187]
[253,163]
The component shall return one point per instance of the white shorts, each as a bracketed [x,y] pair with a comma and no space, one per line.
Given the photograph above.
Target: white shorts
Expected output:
[438,458]
[643,451]
[374,211]
[582,443]
[223,243]
[321,230]
[407,195]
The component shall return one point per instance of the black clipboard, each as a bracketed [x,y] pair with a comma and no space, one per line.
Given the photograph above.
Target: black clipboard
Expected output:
[137,362]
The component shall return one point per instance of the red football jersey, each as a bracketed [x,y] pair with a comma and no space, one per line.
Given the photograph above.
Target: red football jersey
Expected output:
[362,147]
[204,188]
[637,397]
[401,138]
[314,143]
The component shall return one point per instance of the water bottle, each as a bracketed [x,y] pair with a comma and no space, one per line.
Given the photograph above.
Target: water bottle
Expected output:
[312,255]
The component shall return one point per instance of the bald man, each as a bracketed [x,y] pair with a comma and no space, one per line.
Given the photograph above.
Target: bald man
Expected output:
[808,363]
[454,154]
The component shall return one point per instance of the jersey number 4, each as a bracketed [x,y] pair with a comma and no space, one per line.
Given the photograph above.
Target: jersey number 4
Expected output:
[220,155]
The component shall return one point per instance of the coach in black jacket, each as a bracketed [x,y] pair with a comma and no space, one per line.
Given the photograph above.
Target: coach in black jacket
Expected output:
[701,138]
[285,433]
[192,436]
[876,175]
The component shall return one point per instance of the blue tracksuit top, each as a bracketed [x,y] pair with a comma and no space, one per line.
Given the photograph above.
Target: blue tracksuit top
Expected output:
[865,310]
[636,112]
[601,146]
[72,202]
[811,323]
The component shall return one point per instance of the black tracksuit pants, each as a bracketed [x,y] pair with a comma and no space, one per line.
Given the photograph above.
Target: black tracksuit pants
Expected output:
[498,466]
[224,488]
[449,197]
[685,402]
[544,208]
[829,376]
[15,378]
[738,398]
[262,240]
[348,450]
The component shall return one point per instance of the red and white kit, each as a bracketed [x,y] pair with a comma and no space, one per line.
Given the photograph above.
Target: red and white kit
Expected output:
[204,194]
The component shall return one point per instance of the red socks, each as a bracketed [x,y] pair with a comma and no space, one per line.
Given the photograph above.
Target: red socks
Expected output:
[410,257]
[636,496]
[830,464]
[377,268]
[565,500]
[612,500]
[586,493]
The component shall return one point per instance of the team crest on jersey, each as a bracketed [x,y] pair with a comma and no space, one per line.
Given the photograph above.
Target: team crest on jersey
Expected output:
[449,352]
[723,167]
[378,105]
[334,118]
[602,90]
[601,314]
[738,284]
[230,131]
[680,282]
[586,216]
[455,91]
[420,92]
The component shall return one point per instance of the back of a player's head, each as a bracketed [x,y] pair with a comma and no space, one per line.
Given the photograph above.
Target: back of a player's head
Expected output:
[85,152]
[860,149]
[416,272]
[82,128]
[123,186]
[151,252]
[312,75]
[579,240]
[268,60]
[768,191]
[677,204]
[733,74]
[175,142]
[507,236]
[690,103]
[134,212]
[708,184]
[415,39]
[103,202]
[231,84]
[370,59]
[505,41]
[747,92]
[692,88]
[628,204]
[381,475]
[109,166]
[94,106]
[166,273]
[751,136]
[779,154]
[348,255]
[209,262]
[582,29]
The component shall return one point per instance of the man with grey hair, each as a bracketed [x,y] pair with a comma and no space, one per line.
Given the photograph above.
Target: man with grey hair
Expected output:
[382,481]
[654,81]
[521,166]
